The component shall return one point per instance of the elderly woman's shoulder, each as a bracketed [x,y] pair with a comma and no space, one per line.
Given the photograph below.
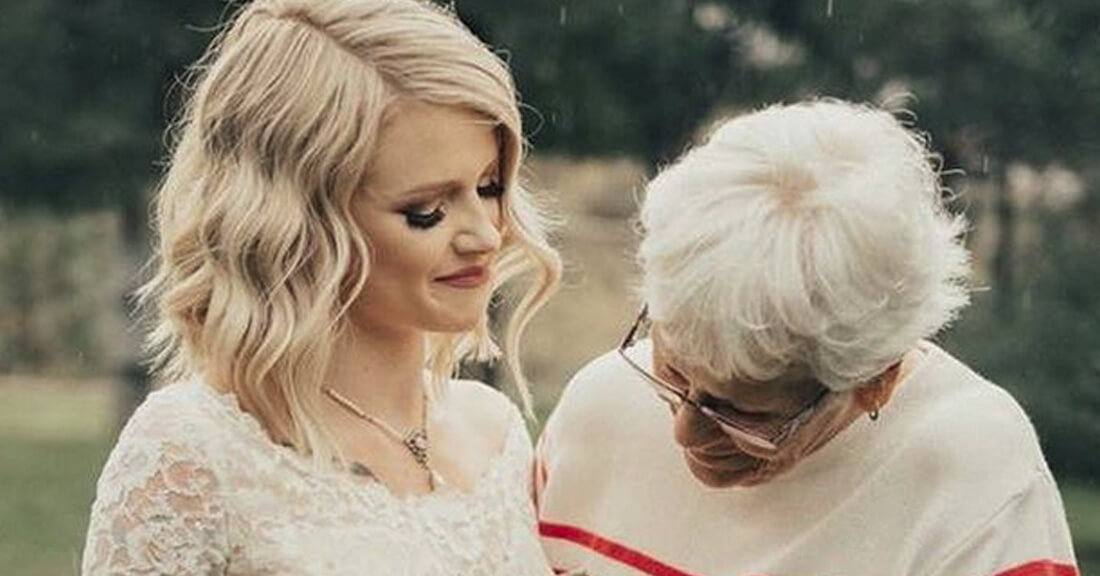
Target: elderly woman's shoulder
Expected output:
[605,377]
[606,396]
[969,400]
[965,425]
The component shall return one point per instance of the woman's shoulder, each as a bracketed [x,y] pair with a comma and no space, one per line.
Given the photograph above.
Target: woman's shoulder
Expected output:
[484,407]
[602,377]
[606,396]
[167,436]
[180,422]
[186,410]
[969,427]
[160,490]
[960,400]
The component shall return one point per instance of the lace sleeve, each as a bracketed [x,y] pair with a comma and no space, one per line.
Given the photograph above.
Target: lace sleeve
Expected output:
[156,509]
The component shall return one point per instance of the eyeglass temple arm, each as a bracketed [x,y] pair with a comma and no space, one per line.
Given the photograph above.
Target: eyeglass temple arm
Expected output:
[637,324]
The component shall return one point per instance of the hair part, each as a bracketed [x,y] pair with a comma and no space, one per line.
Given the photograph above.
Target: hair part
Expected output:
[259,257]
[808,236]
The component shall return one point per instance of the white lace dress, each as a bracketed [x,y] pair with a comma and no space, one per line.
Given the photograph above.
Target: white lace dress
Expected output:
[194,486]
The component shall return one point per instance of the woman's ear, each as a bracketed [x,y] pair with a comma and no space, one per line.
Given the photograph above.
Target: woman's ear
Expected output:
[873,396]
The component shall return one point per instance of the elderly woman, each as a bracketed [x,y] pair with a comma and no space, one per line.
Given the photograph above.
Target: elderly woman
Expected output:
[777,407]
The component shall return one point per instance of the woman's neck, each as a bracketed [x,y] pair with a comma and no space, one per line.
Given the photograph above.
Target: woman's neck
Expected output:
[381,372]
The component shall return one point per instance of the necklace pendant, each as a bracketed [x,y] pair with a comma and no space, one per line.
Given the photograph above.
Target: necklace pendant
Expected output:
[417,444]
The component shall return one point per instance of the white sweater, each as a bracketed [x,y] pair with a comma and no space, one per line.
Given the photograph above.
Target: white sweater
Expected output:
[949,481]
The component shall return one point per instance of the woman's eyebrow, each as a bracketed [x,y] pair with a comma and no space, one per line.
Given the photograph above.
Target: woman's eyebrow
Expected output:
[492,168]
[423,192]
[429,189]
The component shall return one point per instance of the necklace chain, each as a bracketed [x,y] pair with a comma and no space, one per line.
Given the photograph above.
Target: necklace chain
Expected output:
[415,441]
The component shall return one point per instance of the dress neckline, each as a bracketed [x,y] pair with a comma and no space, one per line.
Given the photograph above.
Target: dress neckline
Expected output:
[229,407]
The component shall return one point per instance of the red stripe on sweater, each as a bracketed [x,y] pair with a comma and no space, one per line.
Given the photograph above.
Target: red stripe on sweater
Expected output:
[1041,568]
[651,565]
[655,567]
[610,549]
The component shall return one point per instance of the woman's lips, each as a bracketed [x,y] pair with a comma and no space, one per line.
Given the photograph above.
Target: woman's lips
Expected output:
[722,460]
[470,277]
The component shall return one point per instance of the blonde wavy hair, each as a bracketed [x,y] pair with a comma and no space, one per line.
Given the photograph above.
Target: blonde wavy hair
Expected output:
[258,255]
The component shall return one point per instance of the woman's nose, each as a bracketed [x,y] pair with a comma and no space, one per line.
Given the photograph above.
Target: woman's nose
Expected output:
[693,429]
[481,227]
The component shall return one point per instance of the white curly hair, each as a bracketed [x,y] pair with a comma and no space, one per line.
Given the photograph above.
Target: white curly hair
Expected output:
[806,236]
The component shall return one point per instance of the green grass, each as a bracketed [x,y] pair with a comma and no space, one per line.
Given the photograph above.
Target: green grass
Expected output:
[46,490]
[54,438]
[55,409]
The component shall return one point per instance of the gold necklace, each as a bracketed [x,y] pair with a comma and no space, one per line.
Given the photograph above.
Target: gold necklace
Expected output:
[415,441]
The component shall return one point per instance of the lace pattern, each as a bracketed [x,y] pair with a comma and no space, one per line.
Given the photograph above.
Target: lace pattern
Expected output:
[195,487]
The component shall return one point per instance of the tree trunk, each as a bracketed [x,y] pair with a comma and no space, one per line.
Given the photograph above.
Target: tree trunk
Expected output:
[1004,300]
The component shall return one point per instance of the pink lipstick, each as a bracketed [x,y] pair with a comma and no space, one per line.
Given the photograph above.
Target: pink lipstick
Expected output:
[470,277]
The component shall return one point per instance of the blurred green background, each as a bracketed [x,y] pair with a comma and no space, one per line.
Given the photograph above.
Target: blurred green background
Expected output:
[1009,91]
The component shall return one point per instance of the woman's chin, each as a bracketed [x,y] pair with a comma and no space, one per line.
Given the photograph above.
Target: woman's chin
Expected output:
[723,476]
[456,317]
[457,325]
[456,320]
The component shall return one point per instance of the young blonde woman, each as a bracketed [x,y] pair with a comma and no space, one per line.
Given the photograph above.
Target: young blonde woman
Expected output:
[341,203]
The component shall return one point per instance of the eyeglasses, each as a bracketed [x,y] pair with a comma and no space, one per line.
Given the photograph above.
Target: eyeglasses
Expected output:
[676,397]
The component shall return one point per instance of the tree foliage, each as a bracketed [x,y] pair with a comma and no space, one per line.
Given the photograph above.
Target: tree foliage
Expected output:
[85,107]
[627,77]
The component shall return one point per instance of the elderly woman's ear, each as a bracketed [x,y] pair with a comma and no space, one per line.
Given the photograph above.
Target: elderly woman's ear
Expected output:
[873,396]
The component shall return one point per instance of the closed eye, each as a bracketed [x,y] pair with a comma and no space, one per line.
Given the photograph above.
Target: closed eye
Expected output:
[424,217]
[491,182]
[493,190]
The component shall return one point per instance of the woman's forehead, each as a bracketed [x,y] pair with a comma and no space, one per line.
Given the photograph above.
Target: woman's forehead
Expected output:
[426,145]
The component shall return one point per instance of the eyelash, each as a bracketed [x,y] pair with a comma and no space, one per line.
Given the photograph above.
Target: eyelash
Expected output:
[417,219]
[491,190]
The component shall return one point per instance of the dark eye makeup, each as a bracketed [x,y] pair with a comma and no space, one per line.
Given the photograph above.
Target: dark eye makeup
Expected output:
[420,217]
[493,189]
